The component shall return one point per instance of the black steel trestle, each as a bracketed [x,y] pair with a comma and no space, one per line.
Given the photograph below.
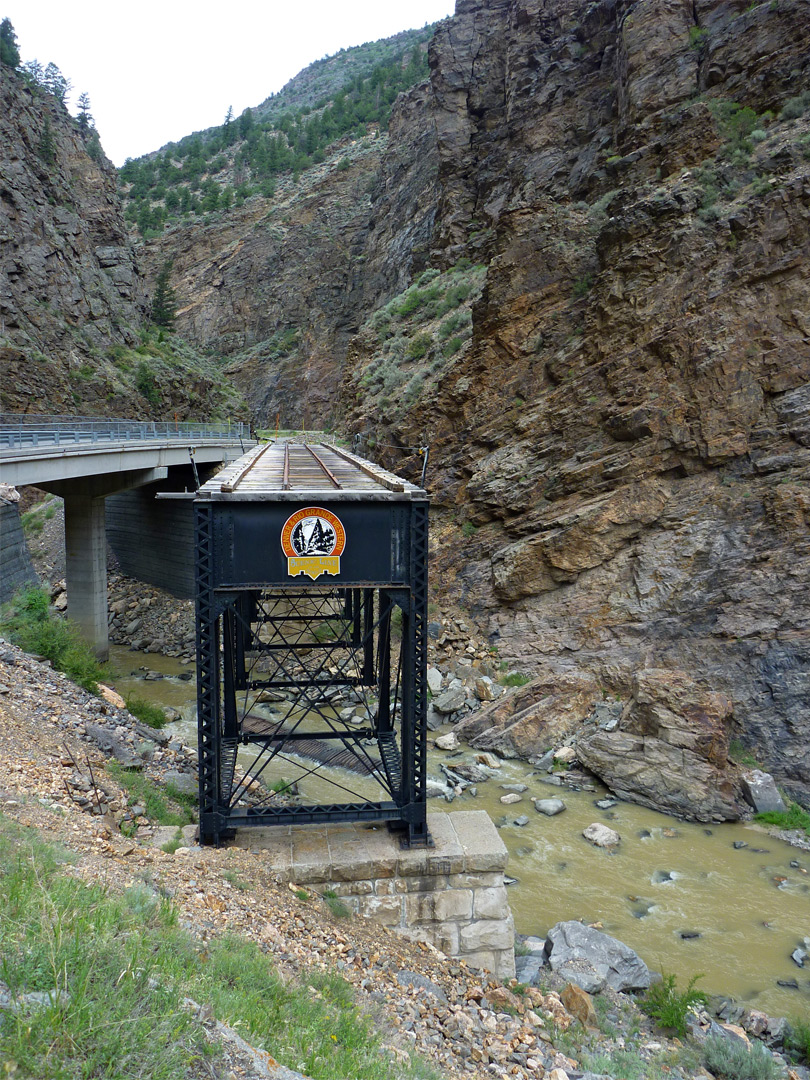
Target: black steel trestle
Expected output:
[322,688]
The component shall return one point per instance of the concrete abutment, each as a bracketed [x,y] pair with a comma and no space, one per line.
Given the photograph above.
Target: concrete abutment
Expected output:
[452,895]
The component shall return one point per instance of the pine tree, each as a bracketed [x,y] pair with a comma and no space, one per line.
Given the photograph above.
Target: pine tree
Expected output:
[84,118]
[164,301]
[54,81]
[9,53]
[46,148]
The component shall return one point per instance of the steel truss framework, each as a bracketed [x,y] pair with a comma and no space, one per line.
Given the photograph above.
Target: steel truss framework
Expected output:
[313,644]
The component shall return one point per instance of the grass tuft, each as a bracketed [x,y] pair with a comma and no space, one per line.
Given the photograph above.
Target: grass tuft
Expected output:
[795,817]
[151,715]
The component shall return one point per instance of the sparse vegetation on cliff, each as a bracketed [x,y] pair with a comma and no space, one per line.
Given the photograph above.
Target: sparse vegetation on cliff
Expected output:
[214,170]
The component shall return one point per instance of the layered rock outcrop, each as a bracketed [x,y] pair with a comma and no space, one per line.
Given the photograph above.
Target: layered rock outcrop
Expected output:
[627,431]
[70,287]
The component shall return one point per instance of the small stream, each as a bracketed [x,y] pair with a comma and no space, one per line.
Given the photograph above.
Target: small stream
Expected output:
[680,894]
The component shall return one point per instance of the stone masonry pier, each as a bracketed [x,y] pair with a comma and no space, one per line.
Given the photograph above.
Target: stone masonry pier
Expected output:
[451,895]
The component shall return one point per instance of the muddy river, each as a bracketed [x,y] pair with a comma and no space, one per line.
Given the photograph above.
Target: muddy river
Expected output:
[682,895]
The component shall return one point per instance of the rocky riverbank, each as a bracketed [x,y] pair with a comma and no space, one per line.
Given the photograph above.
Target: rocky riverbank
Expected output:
[56,743]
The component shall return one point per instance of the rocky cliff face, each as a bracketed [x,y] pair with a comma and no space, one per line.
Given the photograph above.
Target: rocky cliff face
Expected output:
[71,293]
[624,429]
[626,432]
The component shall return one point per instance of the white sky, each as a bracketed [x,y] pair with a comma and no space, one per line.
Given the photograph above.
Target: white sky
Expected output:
[157,70]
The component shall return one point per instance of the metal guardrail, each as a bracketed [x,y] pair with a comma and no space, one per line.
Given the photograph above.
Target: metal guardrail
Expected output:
[26,431]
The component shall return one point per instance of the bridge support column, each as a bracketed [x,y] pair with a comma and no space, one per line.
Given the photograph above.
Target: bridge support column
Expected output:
[86,569]
[86,547]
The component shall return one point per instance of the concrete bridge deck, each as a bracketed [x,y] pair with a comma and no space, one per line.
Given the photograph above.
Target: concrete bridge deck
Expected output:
[83,460]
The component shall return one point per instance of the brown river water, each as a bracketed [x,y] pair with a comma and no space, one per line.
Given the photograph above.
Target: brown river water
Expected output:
[748,906]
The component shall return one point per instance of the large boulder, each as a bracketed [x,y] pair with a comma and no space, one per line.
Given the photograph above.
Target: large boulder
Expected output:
[539,715]
[594,960]
[669,750]
[760,791]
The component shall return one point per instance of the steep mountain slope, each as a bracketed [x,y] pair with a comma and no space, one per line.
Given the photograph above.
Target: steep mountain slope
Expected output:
[626,432]
[72,299]
[617,399]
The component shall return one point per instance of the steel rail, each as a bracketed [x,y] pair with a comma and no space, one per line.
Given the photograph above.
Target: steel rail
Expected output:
[333,479]
[233,484]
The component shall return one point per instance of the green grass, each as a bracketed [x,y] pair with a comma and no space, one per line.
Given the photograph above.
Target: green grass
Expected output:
[27,621]
[668,1006]
[514,678]
[795,817]
[165,806]
[336,905]
[118,969]
[740,756]
[151,715]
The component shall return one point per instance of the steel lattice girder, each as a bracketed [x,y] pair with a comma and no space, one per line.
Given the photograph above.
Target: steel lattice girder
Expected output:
[311,642]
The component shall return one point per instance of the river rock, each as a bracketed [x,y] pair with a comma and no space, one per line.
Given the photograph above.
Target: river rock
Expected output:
[565,755]
[110,743]
[528,968]
[448,741]
[760,791]
[601,835]
[549,807]
[434,680]
[594,960]
[435,789]
[670,750]
[184,782]
[512,797]
[434,719]
[451,700]
[473,774]
[580,1005]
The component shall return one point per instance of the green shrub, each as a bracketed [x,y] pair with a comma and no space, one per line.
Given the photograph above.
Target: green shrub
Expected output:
[582,286]
[451,347]
[798,1039]
[150,714]
[697,36]
[145,382]
[796,106]
[469,529]
[667,1006]
[27,621]
[734,1060]
[418,346]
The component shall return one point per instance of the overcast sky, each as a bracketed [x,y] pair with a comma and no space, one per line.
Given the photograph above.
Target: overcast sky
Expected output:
[157,70]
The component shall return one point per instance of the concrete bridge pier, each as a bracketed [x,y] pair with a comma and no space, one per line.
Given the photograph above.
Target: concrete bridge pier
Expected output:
[86,546]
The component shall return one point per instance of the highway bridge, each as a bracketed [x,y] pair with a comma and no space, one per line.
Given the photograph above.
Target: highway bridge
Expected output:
[85,460]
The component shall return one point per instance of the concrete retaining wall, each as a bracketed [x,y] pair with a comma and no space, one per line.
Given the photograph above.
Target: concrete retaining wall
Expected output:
[16,569]
[452,895]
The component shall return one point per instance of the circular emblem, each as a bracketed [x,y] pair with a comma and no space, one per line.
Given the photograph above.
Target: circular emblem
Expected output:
[313,531]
